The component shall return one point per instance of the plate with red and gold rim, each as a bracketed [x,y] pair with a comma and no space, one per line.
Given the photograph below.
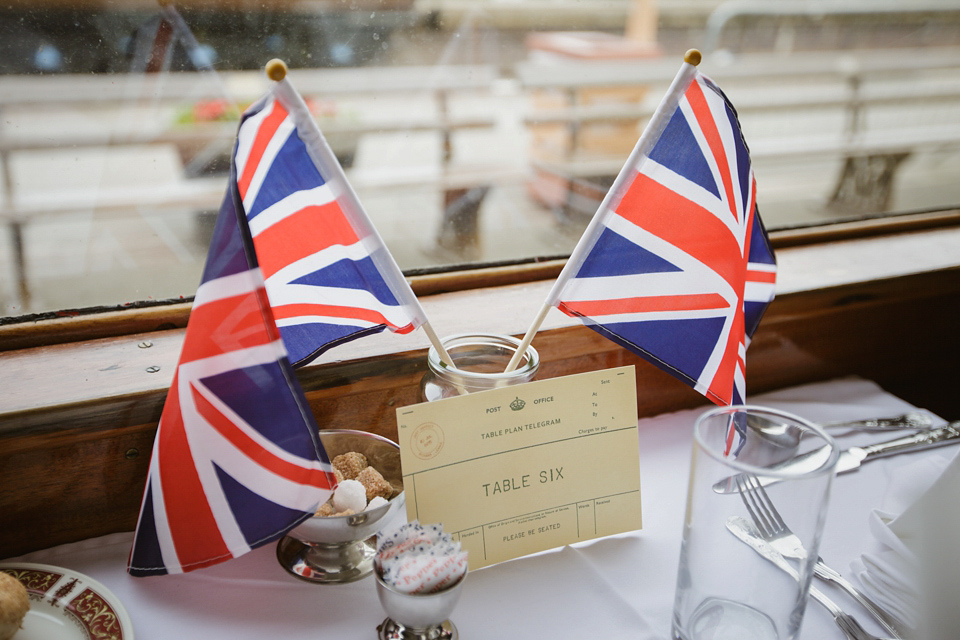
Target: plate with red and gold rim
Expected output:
[65,605]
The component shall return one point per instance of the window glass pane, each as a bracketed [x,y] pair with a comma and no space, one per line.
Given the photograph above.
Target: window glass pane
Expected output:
[474,131]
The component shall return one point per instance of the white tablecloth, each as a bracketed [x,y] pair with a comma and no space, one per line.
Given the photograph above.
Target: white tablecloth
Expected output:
[615,587]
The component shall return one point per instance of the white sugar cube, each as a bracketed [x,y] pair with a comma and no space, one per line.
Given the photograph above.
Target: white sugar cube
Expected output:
[375,502]
[350,494]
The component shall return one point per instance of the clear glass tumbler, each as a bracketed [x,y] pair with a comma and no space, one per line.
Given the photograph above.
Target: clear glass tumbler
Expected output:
[479,361]
[726,590]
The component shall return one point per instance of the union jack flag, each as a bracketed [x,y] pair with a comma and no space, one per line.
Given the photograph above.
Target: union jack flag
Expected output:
[329,276]
[237,460]
[677,266]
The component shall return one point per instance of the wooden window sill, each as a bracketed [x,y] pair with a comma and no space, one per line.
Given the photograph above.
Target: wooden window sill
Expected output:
[119,368]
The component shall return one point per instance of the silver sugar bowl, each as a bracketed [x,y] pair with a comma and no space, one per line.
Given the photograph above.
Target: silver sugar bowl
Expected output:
[340,549]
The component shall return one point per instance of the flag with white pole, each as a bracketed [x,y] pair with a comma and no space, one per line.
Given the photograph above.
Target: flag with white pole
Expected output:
[328,273]
[676,265]
[295,267]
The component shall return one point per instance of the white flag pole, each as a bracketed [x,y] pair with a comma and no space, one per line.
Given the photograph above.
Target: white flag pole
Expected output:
[651,133]
[323,155]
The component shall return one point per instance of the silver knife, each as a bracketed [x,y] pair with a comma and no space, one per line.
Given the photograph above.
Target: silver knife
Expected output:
[747,533]
[852,458]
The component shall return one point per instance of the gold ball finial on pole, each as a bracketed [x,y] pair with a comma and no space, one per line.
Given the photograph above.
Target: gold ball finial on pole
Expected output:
[692,57]
[276,70]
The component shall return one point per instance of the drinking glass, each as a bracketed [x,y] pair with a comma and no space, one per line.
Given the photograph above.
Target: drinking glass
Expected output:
[725,589]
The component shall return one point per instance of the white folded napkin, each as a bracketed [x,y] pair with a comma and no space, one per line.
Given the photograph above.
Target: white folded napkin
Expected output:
[888,575]
[893,572]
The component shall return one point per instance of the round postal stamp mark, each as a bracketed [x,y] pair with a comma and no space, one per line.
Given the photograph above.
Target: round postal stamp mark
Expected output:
[426,441]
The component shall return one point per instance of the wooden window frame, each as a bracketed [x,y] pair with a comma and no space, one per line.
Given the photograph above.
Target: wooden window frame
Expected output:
[84,394]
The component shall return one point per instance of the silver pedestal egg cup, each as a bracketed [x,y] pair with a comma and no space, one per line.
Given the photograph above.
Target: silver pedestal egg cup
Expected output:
[418,616]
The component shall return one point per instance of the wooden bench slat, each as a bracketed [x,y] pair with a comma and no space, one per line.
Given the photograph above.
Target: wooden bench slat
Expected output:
[213,132]
[243,86]
[534,74]
[747,104]
[898,142]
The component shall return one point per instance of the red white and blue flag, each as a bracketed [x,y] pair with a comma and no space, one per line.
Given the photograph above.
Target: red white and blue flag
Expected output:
[237,461]
[676,265]
[329,276]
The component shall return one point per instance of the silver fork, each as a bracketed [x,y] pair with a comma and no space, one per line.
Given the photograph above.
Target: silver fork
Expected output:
[773,529]
[748,533]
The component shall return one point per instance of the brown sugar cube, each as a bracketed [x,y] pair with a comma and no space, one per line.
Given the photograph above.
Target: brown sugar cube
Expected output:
[325,510]
[397,490]
[373,482]
[345,512]
[338,475]
[350,464]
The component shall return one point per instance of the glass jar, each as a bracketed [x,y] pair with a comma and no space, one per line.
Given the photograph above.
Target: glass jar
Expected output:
[479,361]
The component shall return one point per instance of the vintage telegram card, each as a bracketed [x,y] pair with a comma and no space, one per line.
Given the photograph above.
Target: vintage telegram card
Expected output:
[526,468]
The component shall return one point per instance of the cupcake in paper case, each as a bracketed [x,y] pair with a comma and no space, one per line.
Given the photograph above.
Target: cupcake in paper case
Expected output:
[419,559]
[14,604]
